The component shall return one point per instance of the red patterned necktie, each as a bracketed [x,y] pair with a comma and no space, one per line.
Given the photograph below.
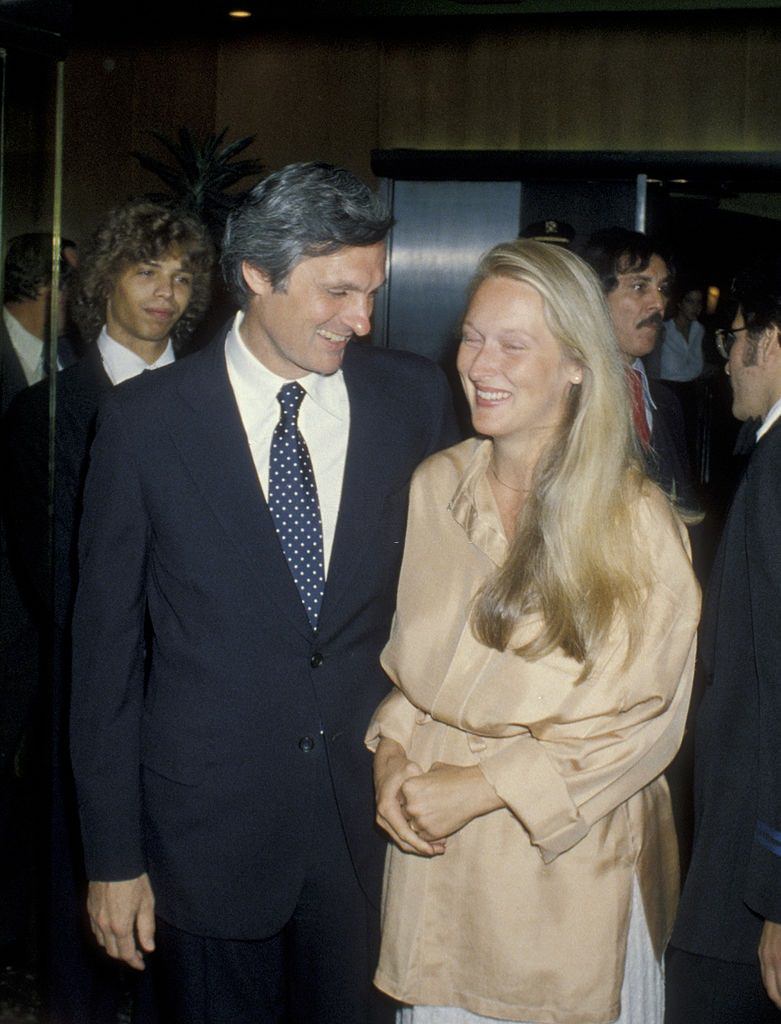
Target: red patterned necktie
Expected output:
[638,406]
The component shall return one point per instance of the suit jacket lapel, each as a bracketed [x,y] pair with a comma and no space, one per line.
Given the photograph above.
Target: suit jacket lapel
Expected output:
[207,430]
[86,383]
[364,487]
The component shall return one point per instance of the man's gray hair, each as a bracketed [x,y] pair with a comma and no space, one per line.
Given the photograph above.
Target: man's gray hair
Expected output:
[304,210]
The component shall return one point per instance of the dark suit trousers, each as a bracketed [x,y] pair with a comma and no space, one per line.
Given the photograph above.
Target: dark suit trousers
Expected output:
[316,970]
[703,990]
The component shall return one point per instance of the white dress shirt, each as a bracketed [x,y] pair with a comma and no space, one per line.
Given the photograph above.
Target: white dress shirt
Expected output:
[323,419]
[681,358]
[28,348]
[120,363]
[774,413]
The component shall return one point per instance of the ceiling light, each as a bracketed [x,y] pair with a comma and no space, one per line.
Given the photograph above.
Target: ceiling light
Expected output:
[239,13]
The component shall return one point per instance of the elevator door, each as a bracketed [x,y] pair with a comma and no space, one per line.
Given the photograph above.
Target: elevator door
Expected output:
[441,229]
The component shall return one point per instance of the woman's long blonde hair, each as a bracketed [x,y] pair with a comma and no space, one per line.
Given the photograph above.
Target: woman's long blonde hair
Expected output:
[573,558]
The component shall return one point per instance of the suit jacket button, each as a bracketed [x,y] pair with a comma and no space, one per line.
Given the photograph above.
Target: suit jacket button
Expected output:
[306,743]
[316,660]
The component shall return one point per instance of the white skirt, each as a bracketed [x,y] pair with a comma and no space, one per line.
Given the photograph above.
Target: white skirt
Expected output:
[642,993]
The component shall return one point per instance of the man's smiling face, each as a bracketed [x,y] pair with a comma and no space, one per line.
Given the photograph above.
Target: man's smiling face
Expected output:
[303,326]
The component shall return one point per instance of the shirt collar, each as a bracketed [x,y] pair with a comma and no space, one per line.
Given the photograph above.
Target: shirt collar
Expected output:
[120,363]
[773,414]
[27,346]
[325,391]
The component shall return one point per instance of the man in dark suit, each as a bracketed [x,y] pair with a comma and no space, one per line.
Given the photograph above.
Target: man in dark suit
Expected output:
[724,962]
[635,279]
[227,806]
[24,352]
[143,255]
[144,283]
[24,325]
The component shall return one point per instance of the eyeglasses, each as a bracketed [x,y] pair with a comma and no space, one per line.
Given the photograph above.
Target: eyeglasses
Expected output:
[726,338]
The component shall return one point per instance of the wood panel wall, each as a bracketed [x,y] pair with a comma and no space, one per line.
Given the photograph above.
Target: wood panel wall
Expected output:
[688,82]
[674,83]
[114,97]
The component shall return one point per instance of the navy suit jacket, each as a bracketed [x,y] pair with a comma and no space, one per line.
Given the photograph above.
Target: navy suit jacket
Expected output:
[19,660]
[668,460]
[734,880]
[26,443]
[194,758]
[12,378]
[81,986]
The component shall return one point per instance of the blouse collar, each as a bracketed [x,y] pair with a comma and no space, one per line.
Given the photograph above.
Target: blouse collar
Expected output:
[474,508]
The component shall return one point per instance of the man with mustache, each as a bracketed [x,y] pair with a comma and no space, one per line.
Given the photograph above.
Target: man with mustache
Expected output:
[724,959]
[251,503]
[635,278]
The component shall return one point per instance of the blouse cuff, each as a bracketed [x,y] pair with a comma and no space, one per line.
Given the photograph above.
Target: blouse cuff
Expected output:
[394,719]
[523,777]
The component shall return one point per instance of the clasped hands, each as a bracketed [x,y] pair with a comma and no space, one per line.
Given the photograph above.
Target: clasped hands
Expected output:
[418,809]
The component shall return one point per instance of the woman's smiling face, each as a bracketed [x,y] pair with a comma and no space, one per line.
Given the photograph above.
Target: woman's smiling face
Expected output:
[513,370]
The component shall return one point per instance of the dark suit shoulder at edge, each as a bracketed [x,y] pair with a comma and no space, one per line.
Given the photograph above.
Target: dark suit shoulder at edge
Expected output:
[30,401]
[764,466]
[660,390]
[146,385]
[81,377]
[769,442]
[404,373]
[361,351]
[361,357]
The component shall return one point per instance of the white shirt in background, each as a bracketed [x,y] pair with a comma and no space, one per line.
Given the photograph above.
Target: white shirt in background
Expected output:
[28,348]
[681,359]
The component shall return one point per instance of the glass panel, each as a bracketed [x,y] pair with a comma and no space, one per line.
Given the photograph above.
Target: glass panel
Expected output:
[34,287]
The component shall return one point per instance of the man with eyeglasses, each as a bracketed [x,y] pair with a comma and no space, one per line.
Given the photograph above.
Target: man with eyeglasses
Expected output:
[635,279]
[724,962]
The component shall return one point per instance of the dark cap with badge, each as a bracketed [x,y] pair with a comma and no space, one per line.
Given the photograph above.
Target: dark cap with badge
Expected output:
[556,232]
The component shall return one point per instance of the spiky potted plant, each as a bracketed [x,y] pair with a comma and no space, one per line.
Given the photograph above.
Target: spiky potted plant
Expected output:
[202,172]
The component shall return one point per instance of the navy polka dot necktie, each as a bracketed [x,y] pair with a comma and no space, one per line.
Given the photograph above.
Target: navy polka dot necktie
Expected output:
[292,501]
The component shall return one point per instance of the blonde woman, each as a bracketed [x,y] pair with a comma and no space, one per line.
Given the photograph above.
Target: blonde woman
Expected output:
[542,654]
